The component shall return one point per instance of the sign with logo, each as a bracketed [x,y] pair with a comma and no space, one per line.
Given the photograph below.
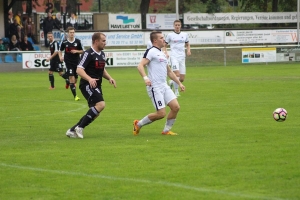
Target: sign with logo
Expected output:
[160,21]
[35,60]
[261,36]
[113,59]
[240,18]
[124,21]
[255,55]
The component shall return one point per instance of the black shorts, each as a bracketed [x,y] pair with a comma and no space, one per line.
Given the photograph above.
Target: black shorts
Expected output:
[56,67]
[71,70]
[92,95]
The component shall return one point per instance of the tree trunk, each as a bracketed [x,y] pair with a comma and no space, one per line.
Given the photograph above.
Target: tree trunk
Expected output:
[144,8]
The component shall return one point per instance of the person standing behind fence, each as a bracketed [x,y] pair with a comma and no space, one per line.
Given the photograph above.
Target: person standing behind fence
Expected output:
[177,41]
[72,48]
[72,21]
[55,64]
[48,25]
[29,29]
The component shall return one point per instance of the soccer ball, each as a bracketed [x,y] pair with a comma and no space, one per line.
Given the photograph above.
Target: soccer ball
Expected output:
[280,114]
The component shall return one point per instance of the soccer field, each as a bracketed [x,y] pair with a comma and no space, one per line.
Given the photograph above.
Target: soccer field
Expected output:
[229,147]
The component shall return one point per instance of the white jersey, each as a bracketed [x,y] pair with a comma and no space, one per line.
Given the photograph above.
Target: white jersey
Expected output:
[149,44]
[177,43]
[157,67]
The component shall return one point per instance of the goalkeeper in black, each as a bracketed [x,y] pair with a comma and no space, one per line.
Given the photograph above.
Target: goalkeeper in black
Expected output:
[91,69]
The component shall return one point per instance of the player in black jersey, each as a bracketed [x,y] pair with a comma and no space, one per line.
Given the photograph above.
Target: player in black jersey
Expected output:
[55,64]
[72,48]
[91,69]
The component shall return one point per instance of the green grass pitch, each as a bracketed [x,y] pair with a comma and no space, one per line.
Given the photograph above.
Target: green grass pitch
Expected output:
[228,147]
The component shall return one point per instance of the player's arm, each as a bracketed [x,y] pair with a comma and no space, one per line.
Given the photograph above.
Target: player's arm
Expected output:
[172,76]
[109,78]
[80,49]
[188,48]
[62,47]
[55,53]
[52,56]
[141,69]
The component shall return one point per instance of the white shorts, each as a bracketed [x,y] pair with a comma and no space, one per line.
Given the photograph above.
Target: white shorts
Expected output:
[160,96]
[178,64]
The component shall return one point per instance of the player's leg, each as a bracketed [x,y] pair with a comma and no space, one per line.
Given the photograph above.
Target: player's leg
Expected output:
[182,70]
[158,102]
[51,80]
[65,76]
[51,76]
[72,72]
[175,69]
[172,102]
[96,105]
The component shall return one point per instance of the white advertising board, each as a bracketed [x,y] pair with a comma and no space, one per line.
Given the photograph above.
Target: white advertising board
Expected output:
[261,36]
[124,21]
[113,59]
[240,18]
[160,21]
[114,38]
[255,55]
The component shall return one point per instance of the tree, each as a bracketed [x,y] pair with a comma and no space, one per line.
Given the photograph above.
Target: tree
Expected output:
[144,8]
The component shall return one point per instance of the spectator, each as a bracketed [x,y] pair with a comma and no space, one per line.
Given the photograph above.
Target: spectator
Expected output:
[20,34]
[19,19]
[29,29]
[13,28]
[72,21]
[2,46]
[14,44]
[48,25]
[8,23]
[58,20]
[26,45]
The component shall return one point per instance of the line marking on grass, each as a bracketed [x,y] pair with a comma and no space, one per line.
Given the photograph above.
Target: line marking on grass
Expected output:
[164,183]
[54,113]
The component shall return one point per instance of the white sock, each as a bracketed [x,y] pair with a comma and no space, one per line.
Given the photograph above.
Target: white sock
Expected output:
[144,121]
[169,124]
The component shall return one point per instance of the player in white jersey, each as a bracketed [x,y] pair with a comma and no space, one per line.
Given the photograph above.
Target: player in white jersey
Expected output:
[178,41]
[156,84]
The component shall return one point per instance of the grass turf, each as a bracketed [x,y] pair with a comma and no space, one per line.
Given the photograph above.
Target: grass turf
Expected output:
[229,146]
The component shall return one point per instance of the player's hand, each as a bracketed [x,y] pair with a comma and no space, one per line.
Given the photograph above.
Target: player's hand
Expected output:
[113,82]
[61,59]
[148,82]
[93,82]
[188,53]
[48,59]
[73,51]
[182,87]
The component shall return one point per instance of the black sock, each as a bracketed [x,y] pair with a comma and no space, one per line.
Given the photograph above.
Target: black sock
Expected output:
[89,117]
[65,76]
[73,89]
[73,127]
[51,79]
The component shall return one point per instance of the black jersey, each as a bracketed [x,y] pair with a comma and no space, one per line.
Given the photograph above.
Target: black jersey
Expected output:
[53,48]
[93,64]
[67,46]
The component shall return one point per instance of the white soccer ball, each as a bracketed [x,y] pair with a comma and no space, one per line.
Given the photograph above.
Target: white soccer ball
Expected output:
[280,114]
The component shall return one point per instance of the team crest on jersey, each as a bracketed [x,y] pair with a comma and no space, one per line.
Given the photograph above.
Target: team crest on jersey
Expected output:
[103,56]
[75,44]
